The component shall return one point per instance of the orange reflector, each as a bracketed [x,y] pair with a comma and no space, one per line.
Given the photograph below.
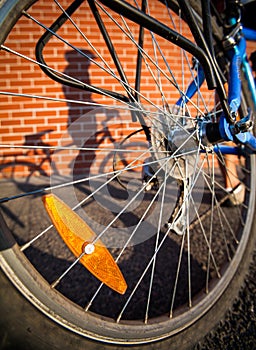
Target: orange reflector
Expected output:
[78,236]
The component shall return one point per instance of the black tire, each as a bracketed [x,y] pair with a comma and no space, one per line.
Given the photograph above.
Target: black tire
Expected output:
[26,267]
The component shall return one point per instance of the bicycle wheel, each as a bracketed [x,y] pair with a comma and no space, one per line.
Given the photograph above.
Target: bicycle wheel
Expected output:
[127,156]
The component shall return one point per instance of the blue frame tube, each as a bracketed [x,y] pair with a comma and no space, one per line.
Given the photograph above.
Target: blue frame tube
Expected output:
[234,85]
[249,34]
[224,149]
[193,87]
[238,60]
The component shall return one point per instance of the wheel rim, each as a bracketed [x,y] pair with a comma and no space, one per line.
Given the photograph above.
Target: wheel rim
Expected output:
[160,300]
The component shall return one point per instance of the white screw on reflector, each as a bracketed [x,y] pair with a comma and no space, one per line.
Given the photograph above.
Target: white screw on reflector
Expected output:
[89,248]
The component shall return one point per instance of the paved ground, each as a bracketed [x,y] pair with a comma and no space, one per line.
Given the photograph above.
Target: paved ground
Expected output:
[236,331]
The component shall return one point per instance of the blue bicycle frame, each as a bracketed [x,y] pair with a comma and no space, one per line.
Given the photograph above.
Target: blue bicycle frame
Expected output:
[238,62]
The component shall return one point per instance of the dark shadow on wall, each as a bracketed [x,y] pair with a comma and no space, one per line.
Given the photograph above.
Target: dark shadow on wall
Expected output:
[82,121]
[78,68]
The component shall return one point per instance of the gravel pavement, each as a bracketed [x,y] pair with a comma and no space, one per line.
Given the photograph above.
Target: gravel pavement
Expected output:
[236,331]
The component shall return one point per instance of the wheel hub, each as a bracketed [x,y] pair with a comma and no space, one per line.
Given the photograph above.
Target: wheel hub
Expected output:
[175,143]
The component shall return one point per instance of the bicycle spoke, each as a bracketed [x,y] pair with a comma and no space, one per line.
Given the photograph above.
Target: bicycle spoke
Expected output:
[212,184]
[156,246]
[142,276]
[177,276]
[82,202]
[152,61]
[200,221]
[130,238]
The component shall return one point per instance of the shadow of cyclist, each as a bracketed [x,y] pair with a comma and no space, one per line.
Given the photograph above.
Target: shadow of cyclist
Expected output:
[78,68]
[83,127]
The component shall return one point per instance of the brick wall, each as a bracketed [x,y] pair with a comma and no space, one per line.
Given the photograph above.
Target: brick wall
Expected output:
[30,121]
